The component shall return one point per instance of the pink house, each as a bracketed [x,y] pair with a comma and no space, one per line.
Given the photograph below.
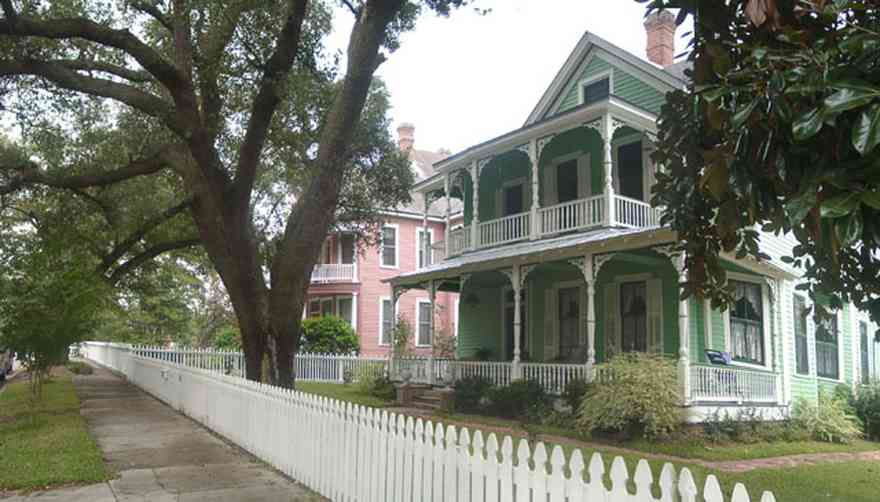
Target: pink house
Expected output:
[347,282]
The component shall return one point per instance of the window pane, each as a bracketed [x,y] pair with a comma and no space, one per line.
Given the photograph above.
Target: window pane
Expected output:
[389,246]
[634,316]
[567,181]
[423,236]
[746,325]
[347,244]
[629,170]
[424,324]
[314,308]
[596,91]
[387,322]
[513,199]
[345,309]
[800,335]
[827,363]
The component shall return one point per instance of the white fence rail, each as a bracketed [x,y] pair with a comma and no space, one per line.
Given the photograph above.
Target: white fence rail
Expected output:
[573,215]
[348,452]
[334,272]
[336,368]
[554,377]
[459,241]
[503,230]
[635,213]
[725,384]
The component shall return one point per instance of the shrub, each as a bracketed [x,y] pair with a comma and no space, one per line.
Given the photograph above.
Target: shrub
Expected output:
[574,393]
[328,335]
[641,398]
[372,380]
[469,392]
[522,399]
[867,409]
[826,420]
[79,368]
[482,354]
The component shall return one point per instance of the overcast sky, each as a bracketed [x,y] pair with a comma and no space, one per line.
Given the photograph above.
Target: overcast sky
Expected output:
[467,78]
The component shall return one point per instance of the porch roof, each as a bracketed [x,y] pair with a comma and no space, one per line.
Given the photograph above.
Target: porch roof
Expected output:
[599,241]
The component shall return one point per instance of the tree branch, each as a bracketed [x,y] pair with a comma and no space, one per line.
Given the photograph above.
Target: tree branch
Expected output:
[140,167]
[67,78]
[153,11]
[267,100]
[112,69]
[126,245]
[124,40]
[352,8]
[148,255]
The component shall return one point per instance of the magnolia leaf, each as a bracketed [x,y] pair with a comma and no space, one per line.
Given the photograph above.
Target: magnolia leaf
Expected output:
[849,98]
[849,229]
[839,206]
[759,11]
[743,114]
[866,131]
[807,125]
[871,199]
[715,179]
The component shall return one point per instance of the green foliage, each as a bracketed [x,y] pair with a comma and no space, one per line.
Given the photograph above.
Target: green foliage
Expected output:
[522,399]
[372,380]
[401,338]
[573,394]
[641,398]
[867,408]
[328,335]
[444,345]
[779,131]
[748,427]
[469,393]
[826,420]
[228,338]
[79,368]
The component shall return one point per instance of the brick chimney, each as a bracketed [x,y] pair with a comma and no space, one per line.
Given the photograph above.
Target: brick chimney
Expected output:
[406,136]
[660,29]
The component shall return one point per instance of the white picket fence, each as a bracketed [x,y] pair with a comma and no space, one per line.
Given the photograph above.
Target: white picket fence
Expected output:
[337,368]
[347,452]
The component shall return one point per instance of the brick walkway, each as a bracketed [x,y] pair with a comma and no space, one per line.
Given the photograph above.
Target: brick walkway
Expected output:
[160,455]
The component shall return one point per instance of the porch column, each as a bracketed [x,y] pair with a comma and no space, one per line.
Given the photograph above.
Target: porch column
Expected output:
[591,316]
[533,158]
[432,297]
[475,218]
[425,233]
[446,188]
[517,322]
[684,358]
[607,135]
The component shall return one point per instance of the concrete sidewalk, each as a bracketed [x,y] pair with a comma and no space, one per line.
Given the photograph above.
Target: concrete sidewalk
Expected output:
[161,455]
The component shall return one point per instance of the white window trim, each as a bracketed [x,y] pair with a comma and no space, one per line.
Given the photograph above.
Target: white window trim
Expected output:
[765,324]
[396,265]
[576,155]
[419,303]
[382,300]
[340,298]
[419,231]
[609,74]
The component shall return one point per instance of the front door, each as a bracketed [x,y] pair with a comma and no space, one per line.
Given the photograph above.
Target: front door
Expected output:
[509,310]
[569,320]
[634,316]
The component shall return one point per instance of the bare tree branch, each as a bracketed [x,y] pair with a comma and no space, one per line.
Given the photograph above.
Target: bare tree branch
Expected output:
[267,100]
[140,167]
[112,69]
[67,78]
[152,9]
[352,8]
[149,254]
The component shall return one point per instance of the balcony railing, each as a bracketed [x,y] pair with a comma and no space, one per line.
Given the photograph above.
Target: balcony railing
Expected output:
[731,384]
[576,215]
[503,230]
[334,272]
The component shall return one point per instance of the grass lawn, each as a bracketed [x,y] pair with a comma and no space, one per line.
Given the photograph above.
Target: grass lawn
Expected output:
[343,392]
[52,447]
[855,481]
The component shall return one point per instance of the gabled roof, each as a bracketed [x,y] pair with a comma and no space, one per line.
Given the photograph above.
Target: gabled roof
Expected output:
[588,43]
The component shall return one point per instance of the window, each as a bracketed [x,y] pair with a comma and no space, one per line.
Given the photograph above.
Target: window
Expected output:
[420,252]
[747,323]
[513,199]
[569,321]
[386,321]
[630,172]
[863,346]
[389,246]
[827,357]
[326,307]
[634,316]
[346,243]
[315,308]
[567,181]
[597,91]
[800,335]
[344,307]
[423,317]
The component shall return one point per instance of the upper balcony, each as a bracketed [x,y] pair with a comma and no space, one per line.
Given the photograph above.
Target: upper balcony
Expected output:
[337,262]
[585,169]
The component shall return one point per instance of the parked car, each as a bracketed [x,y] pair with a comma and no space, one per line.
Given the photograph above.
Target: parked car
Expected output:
[6,357]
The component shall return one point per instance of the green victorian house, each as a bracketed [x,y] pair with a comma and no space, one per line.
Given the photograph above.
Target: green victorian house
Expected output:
[561,261]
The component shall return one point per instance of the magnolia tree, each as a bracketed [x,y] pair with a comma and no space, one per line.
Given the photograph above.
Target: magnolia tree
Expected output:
[778,129]
[230,113]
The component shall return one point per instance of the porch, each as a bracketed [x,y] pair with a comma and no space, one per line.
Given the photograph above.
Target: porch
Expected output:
[555,311]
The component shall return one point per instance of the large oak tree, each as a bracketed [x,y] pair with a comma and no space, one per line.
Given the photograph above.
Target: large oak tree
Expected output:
[214,101]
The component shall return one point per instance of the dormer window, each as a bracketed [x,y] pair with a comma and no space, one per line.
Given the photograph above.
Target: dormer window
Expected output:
[597,91]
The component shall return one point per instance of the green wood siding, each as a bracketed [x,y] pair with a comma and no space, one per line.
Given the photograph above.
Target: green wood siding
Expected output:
[626,86]
[480,323]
